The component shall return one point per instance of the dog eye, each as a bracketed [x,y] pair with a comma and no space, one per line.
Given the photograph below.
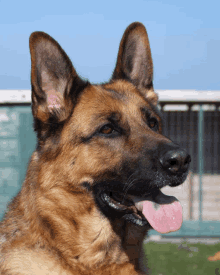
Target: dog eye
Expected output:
[107,129]
[153,123]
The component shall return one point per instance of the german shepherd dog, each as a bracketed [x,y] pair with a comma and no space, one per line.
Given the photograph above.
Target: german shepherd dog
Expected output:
[92,189]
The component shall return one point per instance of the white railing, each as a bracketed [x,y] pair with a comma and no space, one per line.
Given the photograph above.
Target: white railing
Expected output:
[24,96]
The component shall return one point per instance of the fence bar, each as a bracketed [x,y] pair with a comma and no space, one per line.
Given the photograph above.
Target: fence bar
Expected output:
[190,138]
[200,156]
[190,196]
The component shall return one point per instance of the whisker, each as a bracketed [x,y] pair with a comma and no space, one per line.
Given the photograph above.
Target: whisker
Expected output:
[128,187]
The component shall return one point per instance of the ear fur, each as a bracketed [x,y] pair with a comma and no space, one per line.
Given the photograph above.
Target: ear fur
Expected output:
[55,83]
[134,62]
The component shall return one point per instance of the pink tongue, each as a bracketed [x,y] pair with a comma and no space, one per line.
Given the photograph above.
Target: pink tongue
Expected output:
[164,214]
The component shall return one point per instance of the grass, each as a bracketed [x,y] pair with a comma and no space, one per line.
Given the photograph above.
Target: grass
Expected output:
[185,259]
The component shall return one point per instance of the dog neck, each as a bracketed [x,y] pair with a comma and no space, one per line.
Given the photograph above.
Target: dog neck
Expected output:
[71,225]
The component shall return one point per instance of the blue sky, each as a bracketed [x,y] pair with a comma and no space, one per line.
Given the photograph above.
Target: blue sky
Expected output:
[184,38]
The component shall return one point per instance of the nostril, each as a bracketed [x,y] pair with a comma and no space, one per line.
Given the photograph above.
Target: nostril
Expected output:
[173,162]
[174,165]
[186,162]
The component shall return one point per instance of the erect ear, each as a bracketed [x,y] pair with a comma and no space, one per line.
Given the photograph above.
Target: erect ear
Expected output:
[134,62]
[55,83]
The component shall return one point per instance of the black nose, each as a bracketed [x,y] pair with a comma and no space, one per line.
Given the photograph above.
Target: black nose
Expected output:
[175,161]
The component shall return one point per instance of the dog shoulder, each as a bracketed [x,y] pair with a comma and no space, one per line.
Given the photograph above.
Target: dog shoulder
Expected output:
[26,262]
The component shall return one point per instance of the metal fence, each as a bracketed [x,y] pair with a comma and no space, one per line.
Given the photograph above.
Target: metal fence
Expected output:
[195,125]
[183,127]
[17,141]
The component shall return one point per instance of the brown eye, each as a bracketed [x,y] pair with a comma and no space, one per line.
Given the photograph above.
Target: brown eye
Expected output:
[153,123]
[107,129]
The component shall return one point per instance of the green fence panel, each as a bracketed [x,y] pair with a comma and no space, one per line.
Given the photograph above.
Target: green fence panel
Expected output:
[27,142]
[17,142]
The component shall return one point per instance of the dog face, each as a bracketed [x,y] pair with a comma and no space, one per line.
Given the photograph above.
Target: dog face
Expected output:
[104,138]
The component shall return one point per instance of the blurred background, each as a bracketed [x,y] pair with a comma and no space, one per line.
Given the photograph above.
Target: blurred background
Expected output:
[185,43]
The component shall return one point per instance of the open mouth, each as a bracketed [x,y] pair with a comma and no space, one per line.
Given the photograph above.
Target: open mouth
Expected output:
[162,212]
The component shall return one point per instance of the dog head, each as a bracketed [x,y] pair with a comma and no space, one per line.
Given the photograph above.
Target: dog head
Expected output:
[106,138]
